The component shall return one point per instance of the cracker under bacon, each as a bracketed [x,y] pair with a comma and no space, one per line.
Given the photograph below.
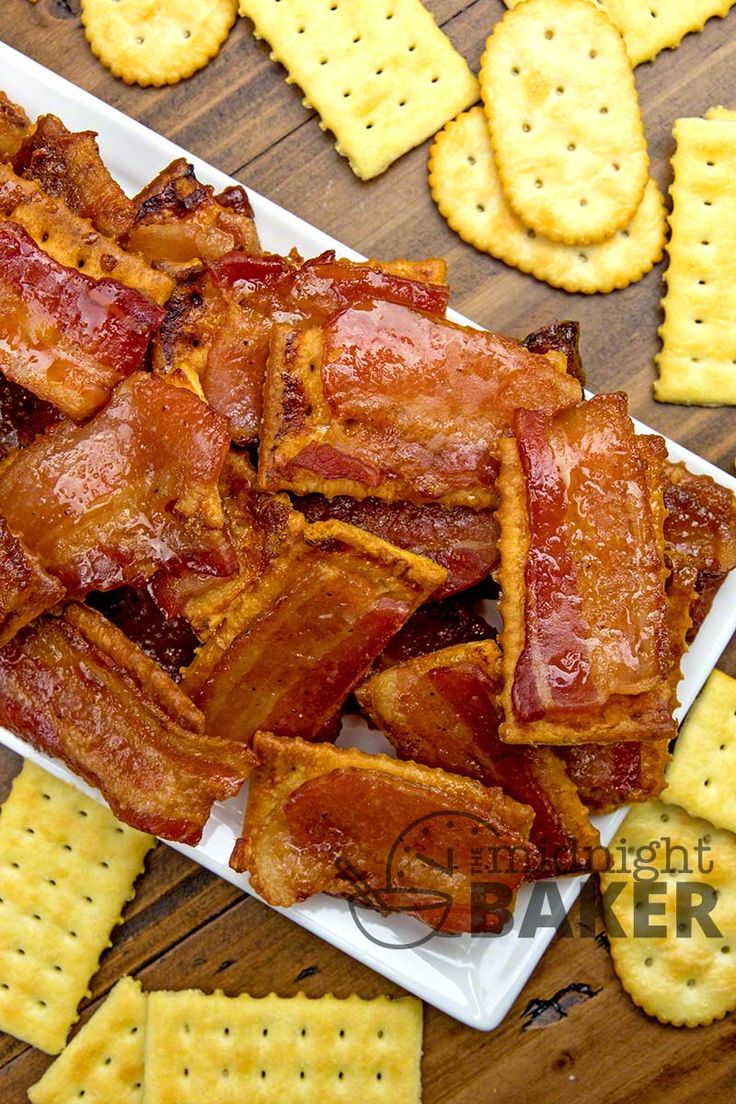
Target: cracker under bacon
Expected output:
[388,402]
[109,502]
[585,640]
[73,241]
[64,336]
[323,819]
[68,165]
[219,322]
[178,220]
[14,125]
[76,688]
[290,649]
[442,710]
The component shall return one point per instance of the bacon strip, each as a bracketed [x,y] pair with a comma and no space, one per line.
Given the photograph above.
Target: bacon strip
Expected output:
[442,710]
[290,650]
[434,626]
[322,819]
[65,337]
[563,337]
[26,591]
[172,643]
[22,416]
[107,503]
[383,400]
[77,689]
[463,541]
[219,324]
[584,615]
[14,125]
[69,166]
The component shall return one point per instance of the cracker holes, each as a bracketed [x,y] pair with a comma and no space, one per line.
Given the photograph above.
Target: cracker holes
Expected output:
[592,54]
[625,234]
[603,110]
[187,33]
[301,1075]
[515,70]
[583,202]
[615,166]
[471,159]
[323,60]
[303,1032]
[560,90]
[526,127]
[263,1075]
[583,257]
[721,747]
[648,961]
[107,1061]
[691,983]
[264,1032]
[379,1076]
[412,47]
[481,208]
[139,40]
[549,34]
[725,949]
[369,126]
[435,79]
[538,183]
[706,781]
[653,13]
[571,147]
[340,1075]
[379,1034]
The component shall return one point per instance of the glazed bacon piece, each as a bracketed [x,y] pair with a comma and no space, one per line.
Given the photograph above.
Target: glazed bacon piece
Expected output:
[22,416]
[392,835]
[14,125]
[463,541]
[289,651]
[609,775]
[388,402]
[585,640]
[106,504]
[64,336]
[442,710]
[69,166]
[260,528]
[178,221]
[171,642]
[26,591]
[563,337]
[77,689]
[73,241]
[434,626]
[700,532]
[218,325]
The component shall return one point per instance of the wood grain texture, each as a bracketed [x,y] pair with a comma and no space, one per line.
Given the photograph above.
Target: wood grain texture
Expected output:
[187,928]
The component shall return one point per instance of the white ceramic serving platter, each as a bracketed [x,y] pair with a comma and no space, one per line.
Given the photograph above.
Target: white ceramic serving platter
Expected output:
[474,979]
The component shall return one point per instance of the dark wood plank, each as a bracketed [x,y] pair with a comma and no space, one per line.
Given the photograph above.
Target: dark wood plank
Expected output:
[186,928]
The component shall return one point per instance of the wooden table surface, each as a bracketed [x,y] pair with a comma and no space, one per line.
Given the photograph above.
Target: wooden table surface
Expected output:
[187,928]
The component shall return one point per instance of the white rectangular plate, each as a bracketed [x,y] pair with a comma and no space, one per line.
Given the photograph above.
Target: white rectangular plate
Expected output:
[474,979]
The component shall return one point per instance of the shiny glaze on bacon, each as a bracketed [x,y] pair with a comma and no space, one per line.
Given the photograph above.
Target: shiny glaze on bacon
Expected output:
[69,166]
[595,607]
[442,710]
[179,221]
[290,650]
[109,502]
[386,401]
[220,322]
[26,591]
[609,775]
[77,689]
[64,336]
[463,541]
[563,337]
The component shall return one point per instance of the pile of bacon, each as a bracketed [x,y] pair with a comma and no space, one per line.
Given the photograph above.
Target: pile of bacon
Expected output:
[241,493]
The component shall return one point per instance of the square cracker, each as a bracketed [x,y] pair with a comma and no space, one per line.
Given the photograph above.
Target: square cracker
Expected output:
[216,1048]
[380,73]
[700,776]
[67,867]
[104,1061]
[684,973]
[697,362]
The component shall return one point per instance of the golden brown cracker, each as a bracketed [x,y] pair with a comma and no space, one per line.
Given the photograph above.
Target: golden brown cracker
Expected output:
[697,362]
[380,73]
[685,973]
[104,1061]
[700,776]
[564,119]
[156,41]
[466,188]
[216,1048]
[67,867]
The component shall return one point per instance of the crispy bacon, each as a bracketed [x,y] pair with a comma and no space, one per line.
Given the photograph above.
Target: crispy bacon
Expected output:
[72,240]
[26,591]
[563,337]
[442,710]
[585,636]
[67,338]
[700,532]
[109,502]
[609,775]
[383,400]
[69,166]
[219,324]
[290,650]
[392,835]
[463,541]
[179,221]
[171,642]
[22,416]
[14,125]
[434,626]
[77,689]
